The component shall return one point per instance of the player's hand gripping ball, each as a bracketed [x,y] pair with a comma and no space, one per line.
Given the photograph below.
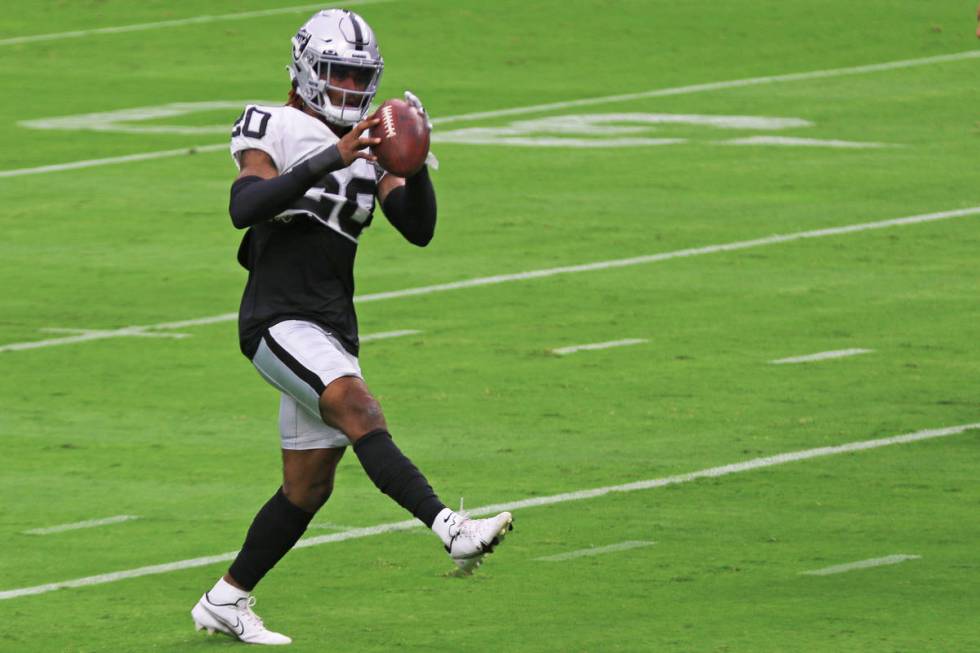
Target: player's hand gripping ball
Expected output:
[404,135]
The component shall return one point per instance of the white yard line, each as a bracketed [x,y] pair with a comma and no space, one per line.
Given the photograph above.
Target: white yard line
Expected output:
[821,356]
[88,335]
[330,526]
[384,335]
[91,523]
[534,274]
[177,22]
[536,108]
[142,334]
[561,351]
[91,163]
[861,564]
[790,141]
[595,551]
[716,86]
[356,533]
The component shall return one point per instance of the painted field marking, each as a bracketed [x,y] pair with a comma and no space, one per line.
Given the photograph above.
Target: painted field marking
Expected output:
[790,141]
[536,274]
[561,351]
[91,163]
[132,120]
[193,20]
[861,564]
[87,335]
[91,523]
[137,333]
[595,130]
[384,335]
[595,551]
[536,108]
[392,527]
[716,86]
[821,356]
[330,526]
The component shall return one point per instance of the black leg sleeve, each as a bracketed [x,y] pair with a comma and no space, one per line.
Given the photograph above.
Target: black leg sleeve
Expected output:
[274,531]
[396,476]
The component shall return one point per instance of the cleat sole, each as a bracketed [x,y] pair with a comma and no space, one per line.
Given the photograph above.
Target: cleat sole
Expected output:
[204,621]
[466,566]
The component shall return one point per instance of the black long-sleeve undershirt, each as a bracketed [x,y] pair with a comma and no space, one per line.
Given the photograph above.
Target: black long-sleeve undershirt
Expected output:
[411,208]
[254,199]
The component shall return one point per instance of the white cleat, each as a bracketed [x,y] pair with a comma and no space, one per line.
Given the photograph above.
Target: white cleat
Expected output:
[471,539]
[235,619]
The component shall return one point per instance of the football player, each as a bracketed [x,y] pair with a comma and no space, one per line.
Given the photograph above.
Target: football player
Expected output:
[306,188]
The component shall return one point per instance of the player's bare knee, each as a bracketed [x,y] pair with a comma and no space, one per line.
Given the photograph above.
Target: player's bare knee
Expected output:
[370,409]
[309,497]
[352,408]
[365,416]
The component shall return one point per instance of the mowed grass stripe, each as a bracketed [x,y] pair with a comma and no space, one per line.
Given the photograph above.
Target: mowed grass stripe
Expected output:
[539,108]
[357,533]
[719,86]
[177,22]
[533,274]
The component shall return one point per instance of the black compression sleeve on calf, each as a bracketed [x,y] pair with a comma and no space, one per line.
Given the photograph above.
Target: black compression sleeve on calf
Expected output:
[396,476]
[254,199]
[274,531]
[412,208]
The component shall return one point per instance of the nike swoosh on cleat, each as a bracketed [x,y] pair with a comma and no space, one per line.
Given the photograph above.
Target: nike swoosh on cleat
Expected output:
[220,619]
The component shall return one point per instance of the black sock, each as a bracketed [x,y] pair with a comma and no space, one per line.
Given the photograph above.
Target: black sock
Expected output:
[396,476]
[274,531]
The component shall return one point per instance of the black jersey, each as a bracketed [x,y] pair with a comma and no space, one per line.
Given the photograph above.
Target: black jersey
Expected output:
[297,270]
[301,263]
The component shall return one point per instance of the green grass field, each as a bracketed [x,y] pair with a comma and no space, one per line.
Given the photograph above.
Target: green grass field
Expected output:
[181,432]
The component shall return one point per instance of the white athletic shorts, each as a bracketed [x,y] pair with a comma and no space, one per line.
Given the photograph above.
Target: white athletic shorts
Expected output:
[301,359]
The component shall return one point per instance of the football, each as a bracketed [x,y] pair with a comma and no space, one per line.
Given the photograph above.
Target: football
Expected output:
[404,138]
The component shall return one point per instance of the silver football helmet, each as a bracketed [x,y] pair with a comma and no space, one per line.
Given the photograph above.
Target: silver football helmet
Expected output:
[337,65]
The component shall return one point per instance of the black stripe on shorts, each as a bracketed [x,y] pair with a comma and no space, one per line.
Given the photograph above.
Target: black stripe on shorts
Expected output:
[294,365]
